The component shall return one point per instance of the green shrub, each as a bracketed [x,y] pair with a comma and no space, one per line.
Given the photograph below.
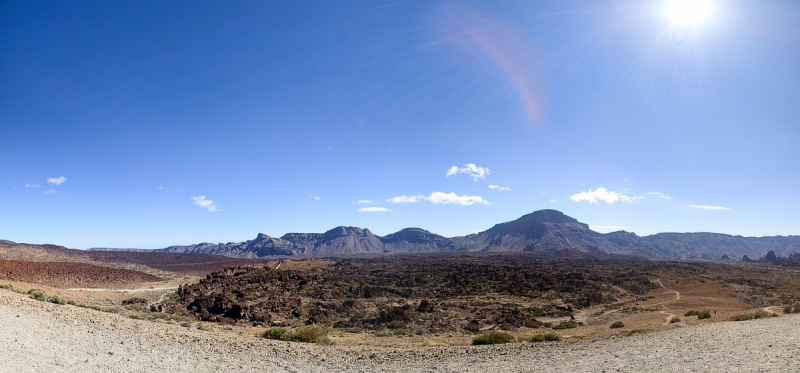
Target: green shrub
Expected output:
[38,295]
[546,337]
[56,300]
[6,286]
[701,315]
[275,333]
[305,334]
[617,325]
[571,324]
[760,314]
[492,339]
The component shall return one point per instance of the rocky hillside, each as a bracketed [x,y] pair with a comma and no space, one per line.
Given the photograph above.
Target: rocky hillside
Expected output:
[335,242]
[417,240]
[541,232]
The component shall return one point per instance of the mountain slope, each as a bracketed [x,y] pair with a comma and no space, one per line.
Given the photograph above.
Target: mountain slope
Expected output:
[714,245]
[417,240]
[540,231]
[543,231]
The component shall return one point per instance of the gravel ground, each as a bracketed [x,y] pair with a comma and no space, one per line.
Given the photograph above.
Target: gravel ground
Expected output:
[42,337]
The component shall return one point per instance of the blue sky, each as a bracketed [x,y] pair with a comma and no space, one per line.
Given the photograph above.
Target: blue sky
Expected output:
[210,121]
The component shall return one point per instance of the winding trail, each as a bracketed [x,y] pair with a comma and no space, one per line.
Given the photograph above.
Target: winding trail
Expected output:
[140,290]
[669,315]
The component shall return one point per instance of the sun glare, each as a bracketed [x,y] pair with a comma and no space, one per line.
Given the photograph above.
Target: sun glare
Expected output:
[688,13]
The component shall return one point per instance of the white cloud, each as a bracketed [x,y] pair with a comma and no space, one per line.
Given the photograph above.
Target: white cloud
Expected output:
[603,195]
[440,198]
[50,191]
[710,207]
[57,180]
[316,198]
[373,209]
[32,186]
[404,199]
[205,203]
[161,188]
[659,195]
[470,169]
[606,228]
[364,202]
[499,188]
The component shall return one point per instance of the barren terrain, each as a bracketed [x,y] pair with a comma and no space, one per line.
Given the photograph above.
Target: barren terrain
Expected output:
[39,336]
[65,274]
[405,313]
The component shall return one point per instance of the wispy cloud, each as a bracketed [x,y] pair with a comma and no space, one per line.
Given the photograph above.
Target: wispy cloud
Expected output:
[50,191]
[404,199]
[440,198]
[373,209]
[658,195]
[470,169]
[364,202]
[316,198]
[603,195]
[711,207]
[32,186]
[205,203]
[161,188]
[56,180]
[499,188]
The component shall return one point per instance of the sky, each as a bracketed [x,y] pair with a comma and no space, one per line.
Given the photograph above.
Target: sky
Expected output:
[147,124]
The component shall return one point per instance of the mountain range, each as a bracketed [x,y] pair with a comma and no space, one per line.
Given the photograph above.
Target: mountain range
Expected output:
[542,232]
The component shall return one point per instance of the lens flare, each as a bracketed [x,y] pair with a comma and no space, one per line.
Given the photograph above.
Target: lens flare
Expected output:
[502,45]
[688,13]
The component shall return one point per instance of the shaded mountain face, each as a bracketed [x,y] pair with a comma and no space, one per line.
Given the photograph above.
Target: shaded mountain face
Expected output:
[262,246]
[335,242]
[338,241]
[715,245]
[417,240]
[542,232]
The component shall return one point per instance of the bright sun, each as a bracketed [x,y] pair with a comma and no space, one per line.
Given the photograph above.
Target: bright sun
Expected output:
[688,13]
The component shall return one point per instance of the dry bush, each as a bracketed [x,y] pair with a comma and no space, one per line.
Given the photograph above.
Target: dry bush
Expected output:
[795,308]
[701,315]
[492,339]
[617,325]
[305,334]
[546,337]
[571,324]
[760,314]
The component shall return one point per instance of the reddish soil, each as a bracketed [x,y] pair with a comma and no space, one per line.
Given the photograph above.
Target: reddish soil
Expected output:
[70,275]
[189,264]
[185,264]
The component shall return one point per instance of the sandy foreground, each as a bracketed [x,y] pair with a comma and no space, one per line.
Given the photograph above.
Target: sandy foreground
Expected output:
[42,337]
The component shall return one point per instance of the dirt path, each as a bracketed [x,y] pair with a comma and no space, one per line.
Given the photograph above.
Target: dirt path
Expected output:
[669,315]
[139,290]
[43,337]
